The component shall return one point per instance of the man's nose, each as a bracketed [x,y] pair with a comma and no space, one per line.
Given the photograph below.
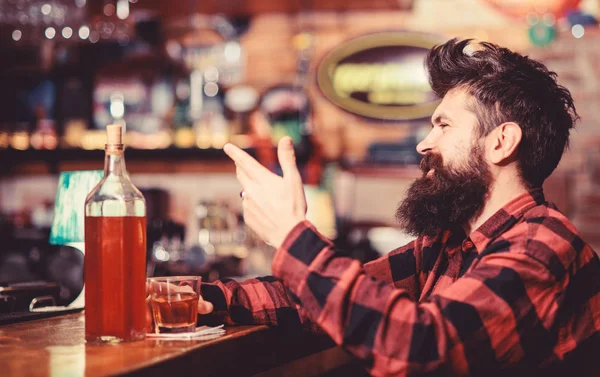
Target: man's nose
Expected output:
[426,145]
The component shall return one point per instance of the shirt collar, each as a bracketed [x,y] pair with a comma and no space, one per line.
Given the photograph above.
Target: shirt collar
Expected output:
[505,218]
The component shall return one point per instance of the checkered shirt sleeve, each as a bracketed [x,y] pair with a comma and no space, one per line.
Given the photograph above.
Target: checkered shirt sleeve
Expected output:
[506,311]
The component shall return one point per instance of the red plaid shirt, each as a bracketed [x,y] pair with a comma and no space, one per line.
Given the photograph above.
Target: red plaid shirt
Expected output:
[521,292]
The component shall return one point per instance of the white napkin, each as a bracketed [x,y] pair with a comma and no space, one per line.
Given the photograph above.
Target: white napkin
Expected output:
[44,309]
[201,333]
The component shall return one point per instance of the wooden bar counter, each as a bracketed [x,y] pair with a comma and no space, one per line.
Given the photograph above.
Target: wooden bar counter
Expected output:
[56,347]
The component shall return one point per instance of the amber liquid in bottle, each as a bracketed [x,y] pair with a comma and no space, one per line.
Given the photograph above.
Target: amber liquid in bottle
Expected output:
[115,255]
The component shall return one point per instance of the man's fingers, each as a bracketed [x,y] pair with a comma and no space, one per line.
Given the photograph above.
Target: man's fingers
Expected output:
[243,178]
[204,307]
[186,288]
[244,161]
[149,316]
[291,175]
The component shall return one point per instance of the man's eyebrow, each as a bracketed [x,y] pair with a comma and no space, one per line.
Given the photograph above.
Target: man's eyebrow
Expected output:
[440,118]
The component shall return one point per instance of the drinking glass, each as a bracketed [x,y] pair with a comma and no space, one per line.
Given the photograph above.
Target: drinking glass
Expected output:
[174,302]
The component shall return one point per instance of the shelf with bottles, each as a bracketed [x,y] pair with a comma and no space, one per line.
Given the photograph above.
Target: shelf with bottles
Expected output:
[79,146]
[16,161]
[181,151]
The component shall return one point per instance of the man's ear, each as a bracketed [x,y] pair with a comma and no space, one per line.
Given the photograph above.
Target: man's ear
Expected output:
[504,141]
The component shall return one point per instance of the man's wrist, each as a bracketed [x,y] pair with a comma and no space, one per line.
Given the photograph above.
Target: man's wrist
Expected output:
[284,236]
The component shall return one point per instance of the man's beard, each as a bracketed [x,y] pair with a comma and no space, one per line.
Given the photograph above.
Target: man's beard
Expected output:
[448,198]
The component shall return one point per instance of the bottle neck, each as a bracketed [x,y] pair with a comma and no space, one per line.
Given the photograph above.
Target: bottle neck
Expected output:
[114,160]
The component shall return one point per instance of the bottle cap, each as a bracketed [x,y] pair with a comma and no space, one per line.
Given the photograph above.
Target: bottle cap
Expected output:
[114,134]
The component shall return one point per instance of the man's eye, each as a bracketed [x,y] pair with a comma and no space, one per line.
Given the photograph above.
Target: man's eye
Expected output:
[443,125]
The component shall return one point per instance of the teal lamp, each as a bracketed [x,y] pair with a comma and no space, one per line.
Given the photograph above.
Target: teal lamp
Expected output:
[69,212]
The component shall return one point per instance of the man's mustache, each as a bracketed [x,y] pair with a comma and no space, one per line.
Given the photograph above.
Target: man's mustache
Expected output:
[431,161]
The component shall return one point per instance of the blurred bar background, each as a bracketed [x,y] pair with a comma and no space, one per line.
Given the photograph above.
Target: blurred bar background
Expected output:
[344,78]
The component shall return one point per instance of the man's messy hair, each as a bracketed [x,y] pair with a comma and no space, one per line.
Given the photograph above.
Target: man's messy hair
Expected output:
[509,87]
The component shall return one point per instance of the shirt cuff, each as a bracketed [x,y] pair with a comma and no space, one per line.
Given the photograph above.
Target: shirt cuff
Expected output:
[300,248]
[215,295]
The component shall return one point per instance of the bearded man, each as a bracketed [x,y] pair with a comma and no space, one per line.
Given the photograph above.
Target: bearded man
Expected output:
[497,281]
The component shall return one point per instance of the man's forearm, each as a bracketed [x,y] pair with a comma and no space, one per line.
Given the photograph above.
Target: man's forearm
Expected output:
[260,301]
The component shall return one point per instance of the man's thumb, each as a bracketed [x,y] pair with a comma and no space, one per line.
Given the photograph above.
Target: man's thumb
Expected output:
[287,157]
[204,307]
